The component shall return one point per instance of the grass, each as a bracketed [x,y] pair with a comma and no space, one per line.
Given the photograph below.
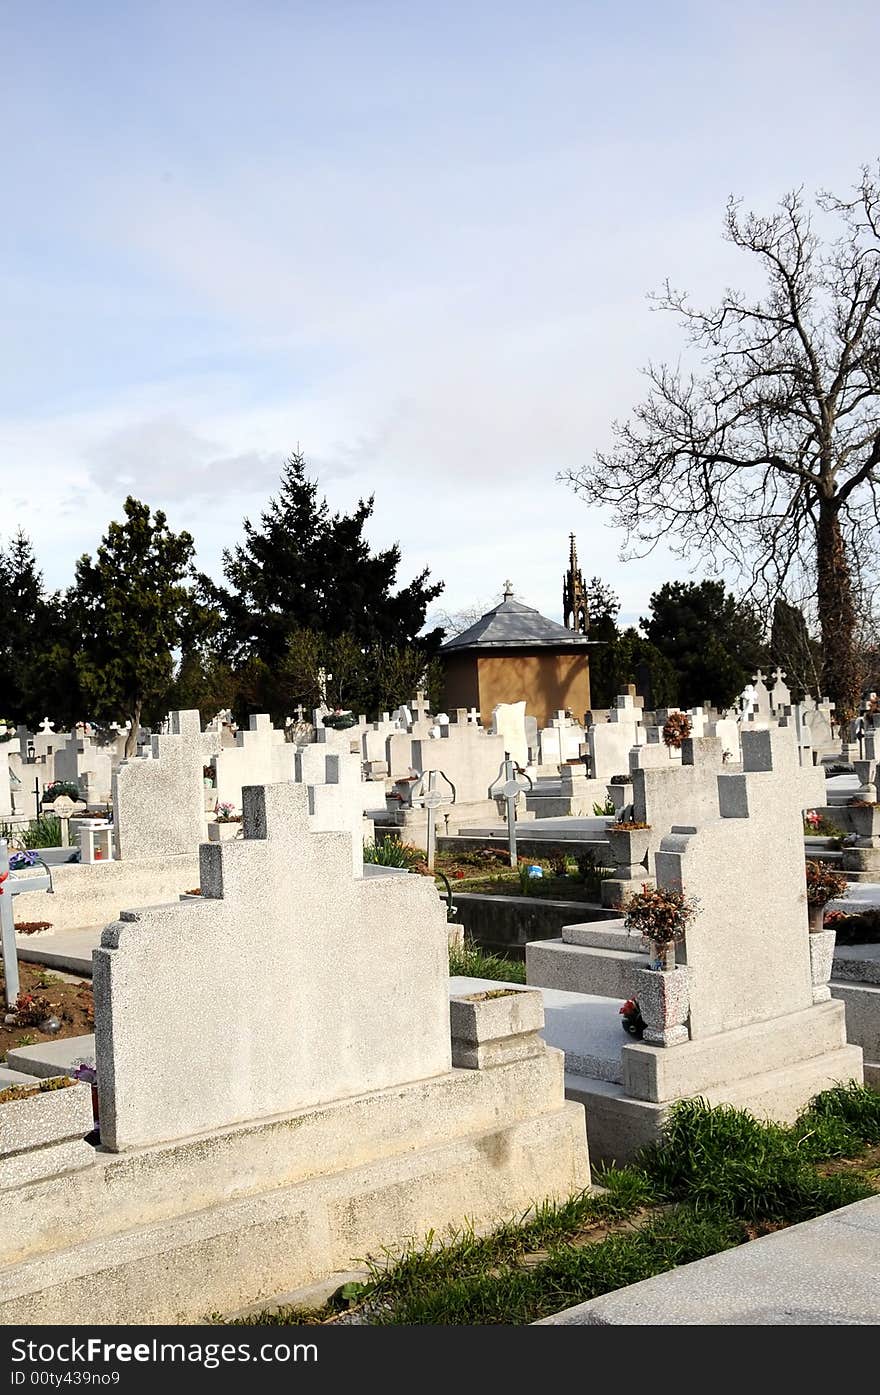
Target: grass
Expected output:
[42,832]
[718,1179]
[473,962]
[391,853]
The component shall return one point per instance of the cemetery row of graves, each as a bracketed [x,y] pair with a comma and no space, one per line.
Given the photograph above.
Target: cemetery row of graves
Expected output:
[280,998]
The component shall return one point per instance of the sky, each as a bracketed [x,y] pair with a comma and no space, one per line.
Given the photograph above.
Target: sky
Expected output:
[414,239]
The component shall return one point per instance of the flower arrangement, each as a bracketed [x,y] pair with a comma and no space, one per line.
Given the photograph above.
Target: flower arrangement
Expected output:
[226,812]
[19,860]
[676,729]
[816,825]
[57,789]
[824,884]
[339,720]
[32,927]
[209,774]
[659,913]
[633,1023]
[626,826]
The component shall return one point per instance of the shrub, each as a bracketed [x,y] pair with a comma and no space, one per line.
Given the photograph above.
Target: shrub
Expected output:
[591,873]
[558,862]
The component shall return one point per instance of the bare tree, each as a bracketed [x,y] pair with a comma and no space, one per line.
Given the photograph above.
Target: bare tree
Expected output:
[767,450]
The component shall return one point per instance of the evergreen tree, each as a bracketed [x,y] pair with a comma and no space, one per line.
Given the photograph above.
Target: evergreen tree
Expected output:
[792,649]
[132,607]
[713,641]
[304,568]
[36,659]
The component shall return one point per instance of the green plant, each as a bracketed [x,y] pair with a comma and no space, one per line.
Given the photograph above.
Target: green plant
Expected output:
[558,862]
[606,810]
[391,853]
[591,873]
[43,832]
[470,961]
[59,788]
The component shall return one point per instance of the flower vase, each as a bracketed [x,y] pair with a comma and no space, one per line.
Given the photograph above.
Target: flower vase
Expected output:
[816,918]
[661,957]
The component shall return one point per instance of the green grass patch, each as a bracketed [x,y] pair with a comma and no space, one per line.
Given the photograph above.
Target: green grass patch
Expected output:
[473,962]
[719,1178]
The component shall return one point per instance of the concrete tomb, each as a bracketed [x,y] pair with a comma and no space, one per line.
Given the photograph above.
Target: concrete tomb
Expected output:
[281,1091]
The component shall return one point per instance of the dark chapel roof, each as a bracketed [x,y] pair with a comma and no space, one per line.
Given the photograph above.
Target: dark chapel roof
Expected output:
[512,625]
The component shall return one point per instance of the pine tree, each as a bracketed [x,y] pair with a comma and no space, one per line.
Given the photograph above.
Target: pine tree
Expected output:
[133,606]
[306,571]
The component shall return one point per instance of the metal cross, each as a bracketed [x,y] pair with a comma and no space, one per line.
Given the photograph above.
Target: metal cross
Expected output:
[10,887]
[426,795]
[509,783]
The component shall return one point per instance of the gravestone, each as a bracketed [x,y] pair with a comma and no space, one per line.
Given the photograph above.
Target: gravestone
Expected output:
[259,755]
[158,801]
[509,722]
[611,742]
[318,1025]
[560,741]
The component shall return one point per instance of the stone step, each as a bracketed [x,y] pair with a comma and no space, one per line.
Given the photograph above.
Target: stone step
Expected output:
[13,1077]
[52,1057]
[609,934]
[604,973]
[713,1064]
[857,964]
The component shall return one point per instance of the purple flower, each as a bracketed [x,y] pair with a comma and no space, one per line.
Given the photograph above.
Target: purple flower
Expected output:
[17,860]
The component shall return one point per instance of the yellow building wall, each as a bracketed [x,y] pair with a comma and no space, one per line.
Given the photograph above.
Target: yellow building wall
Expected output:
[549,682]
[461,687]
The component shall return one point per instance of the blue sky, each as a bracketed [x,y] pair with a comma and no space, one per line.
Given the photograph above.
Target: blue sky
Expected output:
[416,239]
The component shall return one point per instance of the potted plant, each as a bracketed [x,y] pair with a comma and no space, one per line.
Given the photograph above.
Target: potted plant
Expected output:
[865,818]
[629,847]
[661,915]
[823,885]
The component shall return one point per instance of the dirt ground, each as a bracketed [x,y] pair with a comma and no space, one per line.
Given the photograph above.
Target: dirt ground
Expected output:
[65,996]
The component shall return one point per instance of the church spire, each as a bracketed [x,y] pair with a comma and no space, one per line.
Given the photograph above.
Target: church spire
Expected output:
[575,611]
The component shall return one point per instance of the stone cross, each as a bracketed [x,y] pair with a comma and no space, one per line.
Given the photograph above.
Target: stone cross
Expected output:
[426,794]
[508,784]
[420,706]
[473,716]
[46,726]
